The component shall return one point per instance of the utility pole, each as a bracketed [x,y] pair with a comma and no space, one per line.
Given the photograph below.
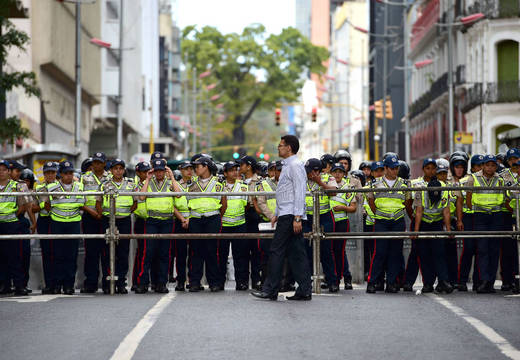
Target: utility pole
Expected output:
[450,75]
[194,110]
[385,71]
[119,139]
[185,105]
[405,102]
[77,113]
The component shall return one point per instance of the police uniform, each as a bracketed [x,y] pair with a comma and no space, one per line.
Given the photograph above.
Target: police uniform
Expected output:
[205,218]
[12,258]
[342,224]
[487,207]
[326,221]
[432,252]
[390,208]
[43,226]
[93,247]
[159,221]
[267,206]
[181,245]
[140,215]
[234,221]
[65,219]
[123,212]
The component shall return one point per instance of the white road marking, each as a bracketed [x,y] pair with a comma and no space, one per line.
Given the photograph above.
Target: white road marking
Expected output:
[127,348]
[502,344]
[41,298]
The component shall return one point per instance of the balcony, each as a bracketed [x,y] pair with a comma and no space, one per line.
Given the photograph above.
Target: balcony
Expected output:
[439,87]
[425,22]
[494,93]
[496,9]
[460,77]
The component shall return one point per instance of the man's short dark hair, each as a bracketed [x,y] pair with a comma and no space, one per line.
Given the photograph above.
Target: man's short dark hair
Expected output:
[293,142]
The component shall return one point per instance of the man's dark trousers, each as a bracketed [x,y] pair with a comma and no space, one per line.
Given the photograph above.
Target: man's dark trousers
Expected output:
[488,249]
[386,251]
[286,241]
[66,252]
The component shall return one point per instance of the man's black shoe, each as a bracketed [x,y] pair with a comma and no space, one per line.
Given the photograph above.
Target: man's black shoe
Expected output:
[179,287]
[427,289]
[194,287]
[324,285]
[484,288]
[444,286]
[121,289]
[371,288]
[462,287]
[28,290]
[68,291]
[47,291]
[161,289]
[506,287]
[88,290]
[21,291]
[407,287]
[141,289]
[257,286]
[264,295]
[242,287]
[299,297]
[392,288]
[348,285]
[333,288]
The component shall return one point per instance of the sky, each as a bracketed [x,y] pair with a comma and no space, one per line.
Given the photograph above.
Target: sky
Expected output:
[233,15]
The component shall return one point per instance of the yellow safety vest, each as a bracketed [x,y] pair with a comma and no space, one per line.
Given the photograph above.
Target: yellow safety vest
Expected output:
[140,211]
[390,205]
[489,201]
[205,206]
[181,203]
[341,199]
[90,201]
[235,214]
[8,204]
[324,200]
[123,203]
[268,185]
[159,207]
[433,212]
[66,208]
[41,204]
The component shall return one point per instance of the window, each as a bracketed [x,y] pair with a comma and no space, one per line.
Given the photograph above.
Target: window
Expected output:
[112,9]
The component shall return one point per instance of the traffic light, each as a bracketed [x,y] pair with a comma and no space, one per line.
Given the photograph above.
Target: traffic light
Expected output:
[388,104]
[378,105]
[278,112]
[314,114]
[236,155]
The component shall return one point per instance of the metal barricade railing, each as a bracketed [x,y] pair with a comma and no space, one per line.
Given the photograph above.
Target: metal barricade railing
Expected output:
[112,235]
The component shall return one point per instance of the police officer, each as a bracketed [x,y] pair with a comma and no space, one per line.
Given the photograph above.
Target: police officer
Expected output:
[469,248]
[234,221]
[159,221]
[389,210]
[487,208]
[205,217]
[328,162]
[65,219]
[431,212]
[345,159]
[91,223]
[366,167]
[27,178]
[342,204]
[315,182]
[11,208]
[124,205]
[508,245]
[247,169]
[140,216]
[43,225]
[182,224]
[86,165]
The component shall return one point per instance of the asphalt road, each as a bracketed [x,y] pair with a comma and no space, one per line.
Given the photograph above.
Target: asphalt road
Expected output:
[234,325]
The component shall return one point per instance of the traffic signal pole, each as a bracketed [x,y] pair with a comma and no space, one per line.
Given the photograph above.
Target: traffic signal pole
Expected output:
[385,71]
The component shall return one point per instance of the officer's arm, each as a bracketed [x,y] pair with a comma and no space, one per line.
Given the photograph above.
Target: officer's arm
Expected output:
[458,208]
[409,208]
[447,218]
[223,201]
[31,216]
[418,217]
[372,204]
[144,189]
[178,214]
[134,206]
[468,200]
[351,207]
[99,207]
[175,187]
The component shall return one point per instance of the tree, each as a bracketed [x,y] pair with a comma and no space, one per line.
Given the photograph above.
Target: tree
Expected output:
[11,128]
[253,71]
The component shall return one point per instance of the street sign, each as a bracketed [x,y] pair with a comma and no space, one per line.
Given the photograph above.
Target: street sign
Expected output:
[464,138]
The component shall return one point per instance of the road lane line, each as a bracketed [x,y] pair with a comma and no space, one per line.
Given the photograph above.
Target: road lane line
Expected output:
[502,344]
[127,348]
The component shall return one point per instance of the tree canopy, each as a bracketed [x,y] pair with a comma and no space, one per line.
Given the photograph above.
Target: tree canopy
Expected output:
[252,70]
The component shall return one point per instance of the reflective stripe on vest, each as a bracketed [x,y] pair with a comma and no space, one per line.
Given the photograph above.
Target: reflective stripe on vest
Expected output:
[8,204]
[43,212]
[390,205]
[341,199]
[90,201]
[181,203]
[487,201]
[236,208]
[433,212]
[159,207]
[205,206]
[123,203]
[66,208]
[269,186]
[324,201]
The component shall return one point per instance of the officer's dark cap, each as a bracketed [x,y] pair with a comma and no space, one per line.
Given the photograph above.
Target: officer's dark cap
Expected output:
[117,162]
[230,165]
[143,166]
[99,156]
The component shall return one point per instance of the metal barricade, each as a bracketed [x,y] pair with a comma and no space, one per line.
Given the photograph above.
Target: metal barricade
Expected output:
[317,234]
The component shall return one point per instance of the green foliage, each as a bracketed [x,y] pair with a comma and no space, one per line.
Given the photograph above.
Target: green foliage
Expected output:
[11,128]
[254,71]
